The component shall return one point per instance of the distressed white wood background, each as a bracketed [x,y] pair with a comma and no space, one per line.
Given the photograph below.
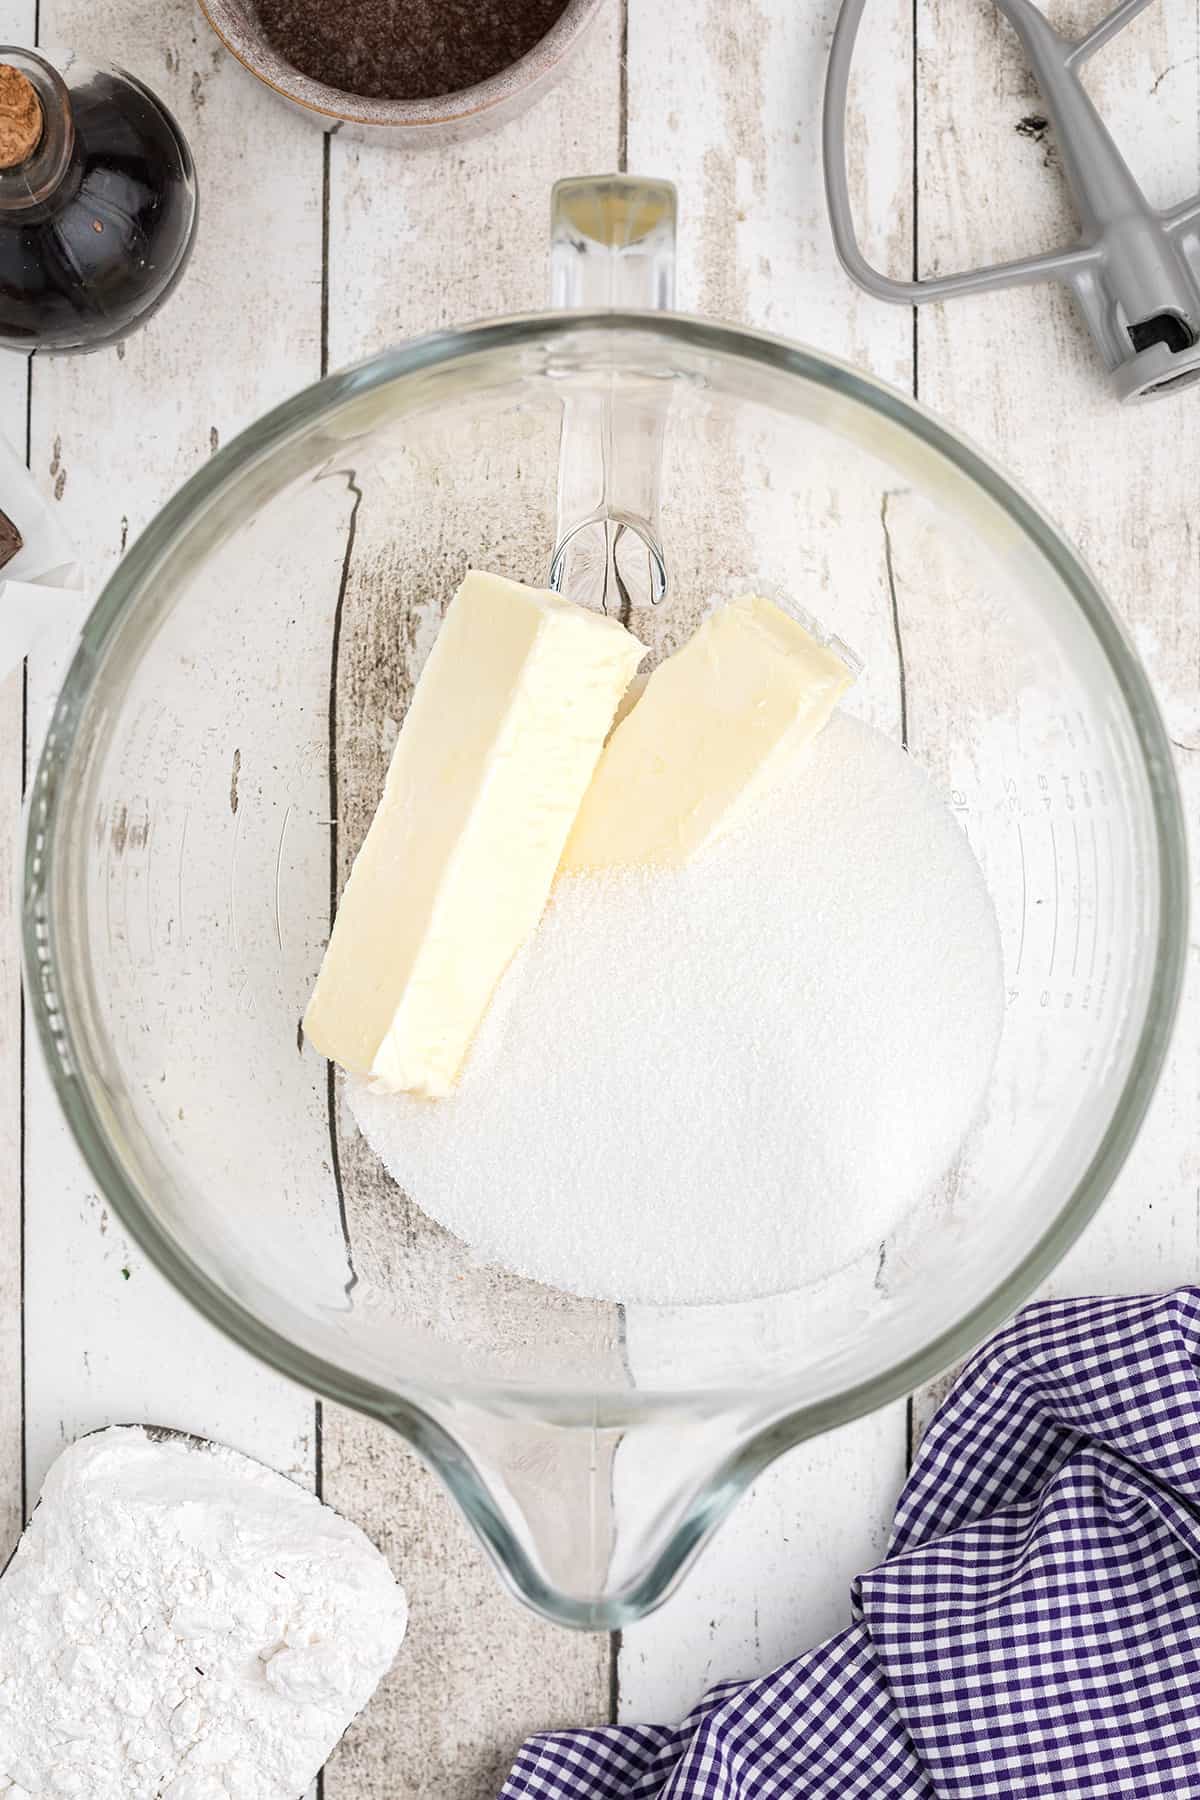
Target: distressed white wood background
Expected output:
[315,251]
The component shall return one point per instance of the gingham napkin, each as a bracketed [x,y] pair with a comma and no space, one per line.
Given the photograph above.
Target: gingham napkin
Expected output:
[1035,1628]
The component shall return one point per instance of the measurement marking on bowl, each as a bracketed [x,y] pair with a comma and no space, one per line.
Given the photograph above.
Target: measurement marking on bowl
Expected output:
[187,813]
[1024,895]
[1054,924]
[278,874]
[1108,863]
[108,899]
[127,863]
[1078,901]
[235,942]
[151,838]
[1095,901]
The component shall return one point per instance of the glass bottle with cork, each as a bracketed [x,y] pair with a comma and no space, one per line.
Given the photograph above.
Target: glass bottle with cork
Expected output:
[97,203]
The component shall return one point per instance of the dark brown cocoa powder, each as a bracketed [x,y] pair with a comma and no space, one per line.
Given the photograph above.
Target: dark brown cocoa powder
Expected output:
[10,540]
[405,49]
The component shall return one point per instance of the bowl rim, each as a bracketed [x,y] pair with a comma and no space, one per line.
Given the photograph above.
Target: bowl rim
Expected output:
[754,1438]
[258,56]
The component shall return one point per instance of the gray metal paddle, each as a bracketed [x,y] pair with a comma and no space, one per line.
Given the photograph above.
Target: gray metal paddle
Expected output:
[1135,271]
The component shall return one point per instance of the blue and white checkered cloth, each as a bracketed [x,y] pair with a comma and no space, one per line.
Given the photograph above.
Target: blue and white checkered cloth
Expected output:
[1034,1629]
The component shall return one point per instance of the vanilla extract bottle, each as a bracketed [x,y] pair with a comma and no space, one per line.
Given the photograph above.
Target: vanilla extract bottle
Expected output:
[97,203]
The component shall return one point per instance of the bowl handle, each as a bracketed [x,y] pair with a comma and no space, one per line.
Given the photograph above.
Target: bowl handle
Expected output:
[612,250]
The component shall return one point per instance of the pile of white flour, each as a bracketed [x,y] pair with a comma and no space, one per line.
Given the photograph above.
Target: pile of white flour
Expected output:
[180,1623]
[729,1079]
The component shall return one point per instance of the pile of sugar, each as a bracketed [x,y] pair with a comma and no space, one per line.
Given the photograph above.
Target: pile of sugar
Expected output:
[729,1079]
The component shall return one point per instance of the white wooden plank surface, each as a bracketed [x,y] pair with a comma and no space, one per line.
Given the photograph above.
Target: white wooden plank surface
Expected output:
[16,27]
[106,1339]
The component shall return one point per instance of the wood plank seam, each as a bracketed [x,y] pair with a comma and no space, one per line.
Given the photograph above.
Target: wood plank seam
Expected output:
[331,1094]
[910,1405]
[21,1011]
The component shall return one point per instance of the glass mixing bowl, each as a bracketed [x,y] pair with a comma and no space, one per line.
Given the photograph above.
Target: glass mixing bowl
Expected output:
[218,748]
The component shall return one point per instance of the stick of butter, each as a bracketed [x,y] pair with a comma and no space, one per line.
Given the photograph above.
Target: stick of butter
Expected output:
[500,741]
[714,730]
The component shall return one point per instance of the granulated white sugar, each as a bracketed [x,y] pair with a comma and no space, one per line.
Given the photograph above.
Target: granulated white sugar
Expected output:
[729,1079]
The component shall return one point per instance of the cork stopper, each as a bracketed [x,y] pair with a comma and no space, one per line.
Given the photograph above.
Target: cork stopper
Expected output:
[21,119]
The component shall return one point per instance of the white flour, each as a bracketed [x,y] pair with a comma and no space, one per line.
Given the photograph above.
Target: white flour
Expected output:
[183,1623]
[732,1078]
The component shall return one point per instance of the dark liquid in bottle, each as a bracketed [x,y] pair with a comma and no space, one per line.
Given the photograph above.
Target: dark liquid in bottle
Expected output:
[100,254]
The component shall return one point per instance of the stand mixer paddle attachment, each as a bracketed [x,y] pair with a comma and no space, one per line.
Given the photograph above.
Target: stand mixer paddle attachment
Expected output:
[1135,271]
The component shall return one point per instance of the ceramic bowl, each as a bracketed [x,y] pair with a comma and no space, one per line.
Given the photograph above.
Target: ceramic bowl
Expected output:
[412,123]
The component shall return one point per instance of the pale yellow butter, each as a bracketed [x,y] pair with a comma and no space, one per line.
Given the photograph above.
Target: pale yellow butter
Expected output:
[499,744]
[714,730]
